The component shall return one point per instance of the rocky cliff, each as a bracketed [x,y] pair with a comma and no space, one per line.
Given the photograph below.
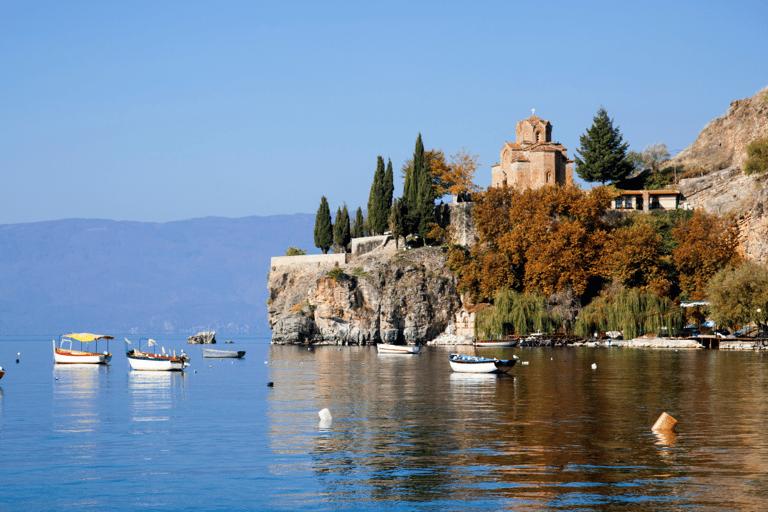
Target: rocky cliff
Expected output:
[385,295]
[716,182]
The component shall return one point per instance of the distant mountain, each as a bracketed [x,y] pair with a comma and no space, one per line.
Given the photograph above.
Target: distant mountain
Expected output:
[136,277]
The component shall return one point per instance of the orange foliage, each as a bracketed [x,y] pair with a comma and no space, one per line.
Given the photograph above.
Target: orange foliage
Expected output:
[706,244]
[633,257]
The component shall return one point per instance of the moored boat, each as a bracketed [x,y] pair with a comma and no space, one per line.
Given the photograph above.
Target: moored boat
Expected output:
[213,353]
[2,372]
[475,364]
[63,355]
[387,348]
[512,342]
[149,361]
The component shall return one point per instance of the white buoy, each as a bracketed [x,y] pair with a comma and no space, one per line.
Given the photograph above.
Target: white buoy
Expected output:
[325,418]
[594,366]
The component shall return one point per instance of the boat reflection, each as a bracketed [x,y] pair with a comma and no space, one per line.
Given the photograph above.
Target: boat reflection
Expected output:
[152,394]
[75,404]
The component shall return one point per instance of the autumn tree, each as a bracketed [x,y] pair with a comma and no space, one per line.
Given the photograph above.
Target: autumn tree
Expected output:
[706,244]
[736,294]
[602,155]
[455,178]
[323,227]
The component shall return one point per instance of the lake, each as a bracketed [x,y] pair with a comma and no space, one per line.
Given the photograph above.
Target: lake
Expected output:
[407,433]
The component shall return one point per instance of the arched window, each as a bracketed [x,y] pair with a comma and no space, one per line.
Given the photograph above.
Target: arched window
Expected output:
[549,177]
[537,136]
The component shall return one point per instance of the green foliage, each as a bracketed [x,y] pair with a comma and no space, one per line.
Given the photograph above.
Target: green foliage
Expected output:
[735,295]
[631,311]
[359,272]
[515,312]
[389,188]
[396,221]
[323,227]
[336,273]
[757,157]
[602,155]
[418,194]
[341,232]
[358,230]
[377,213]
[295,251]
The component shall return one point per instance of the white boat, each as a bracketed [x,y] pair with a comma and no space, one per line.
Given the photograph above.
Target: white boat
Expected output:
[149,361]
[213,353]
[68,355]
[2,372]
[496,343]
[474,364]
[387,348]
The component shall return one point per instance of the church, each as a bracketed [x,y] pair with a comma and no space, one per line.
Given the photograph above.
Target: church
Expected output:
[533,160]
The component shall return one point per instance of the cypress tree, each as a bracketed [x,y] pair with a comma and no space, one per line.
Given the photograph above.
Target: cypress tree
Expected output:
[345,235]
[359,230]
[413,190]
[396,221]
[377,216]
[603,156]
[389,186]
[337,228]
[323,227]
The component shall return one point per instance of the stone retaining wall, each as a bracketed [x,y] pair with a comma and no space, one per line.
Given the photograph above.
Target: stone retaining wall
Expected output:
[310,261]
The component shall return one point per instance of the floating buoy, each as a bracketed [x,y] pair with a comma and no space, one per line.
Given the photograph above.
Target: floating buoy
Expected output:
[195,371]
[665,423]
[325,418]
[270,384]
[594,366]
[17,361]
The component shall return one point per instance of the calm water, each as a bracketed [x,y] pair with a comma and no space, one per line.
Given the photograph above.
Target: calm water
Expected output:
[407,433]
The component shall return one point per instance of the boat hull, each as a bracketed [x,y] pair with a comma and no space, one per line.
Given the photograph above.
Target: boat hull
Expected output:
[472,364]
[213,353]
[386,348]
[64,356]
[495,343]
[156,363]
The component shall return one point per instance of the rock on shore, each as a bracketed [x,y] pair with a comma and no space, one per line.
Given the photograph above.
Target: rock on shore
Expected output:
[205,337]
[388,295]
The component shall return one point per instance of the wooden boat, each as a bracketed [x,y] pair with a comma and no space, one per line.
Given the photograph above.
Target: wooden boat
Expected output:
[387,348]
[2,372]
[63,355]
[474,364]
[210,352]
[149,361]
[511,342]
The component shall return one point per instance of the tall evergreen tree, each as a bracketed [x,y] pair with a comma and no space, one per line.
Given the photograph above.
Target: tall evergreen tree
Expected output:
[389,187]
[323,227]
[413,189]
[603,156]
[337,227]
[342,235]
[377,215]
[359,229]
[396,221]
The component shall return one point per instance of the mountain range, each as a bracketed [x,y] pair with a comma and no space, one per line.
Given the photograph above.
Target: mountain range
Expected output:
[137,277]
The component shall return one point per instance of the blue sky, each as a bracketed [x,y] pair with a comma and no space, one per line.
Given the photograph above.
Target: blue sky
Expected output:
[161,111]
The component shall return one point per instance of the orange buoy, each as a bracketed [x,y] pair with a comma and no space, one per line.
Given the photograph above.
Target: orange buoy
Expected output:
[665,423]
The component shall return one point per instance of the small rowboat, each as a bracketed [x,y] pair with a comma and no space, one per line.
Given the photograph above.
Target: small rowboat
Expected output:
[210,352]
[2,372]
[386,348]
[63,355]
[496,343]
[475,364]
[140,360]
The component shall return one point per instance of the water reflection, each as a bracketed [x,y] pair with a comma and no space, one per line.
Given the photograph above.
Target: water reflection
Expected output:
[75,390]
[152,394]
[555,434]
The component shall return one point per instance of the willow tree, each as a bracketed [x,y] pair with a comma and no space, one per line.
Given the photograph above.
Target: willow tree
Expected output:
[739,296]
[631,311]
[514,312]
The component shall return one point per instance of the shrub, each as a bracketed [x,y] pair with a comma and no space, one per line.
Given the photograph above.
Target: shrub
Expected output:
[336,273]
[757,157]
[295,251]
[358,271]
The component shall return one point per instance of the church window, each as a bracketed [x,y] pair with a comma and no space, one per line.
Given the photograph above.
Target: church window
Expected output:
[537,136]
[549,177]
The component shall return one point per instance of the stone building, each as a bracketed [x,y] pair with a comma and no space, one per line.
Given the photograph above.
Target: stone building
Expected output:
[533,160]
[465,318]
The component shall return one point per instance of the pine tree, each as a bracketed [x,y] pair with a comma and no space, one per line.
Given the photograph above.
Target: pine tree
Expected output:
[377,216]
[323,227]
[359,229]
[603,156]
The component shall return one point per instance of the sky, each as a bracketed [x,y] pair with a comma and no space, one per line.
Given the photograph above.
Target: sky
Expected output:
[172,110]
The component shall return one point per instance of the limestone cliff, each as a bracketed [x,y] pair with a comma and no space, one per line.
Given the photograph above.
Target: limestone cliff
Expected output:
[720,186]
[385,295]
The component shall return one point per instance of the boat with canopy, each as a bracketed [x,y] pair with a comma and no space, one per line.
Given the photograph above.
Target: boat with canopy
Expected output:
[143,360]
[69,355]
